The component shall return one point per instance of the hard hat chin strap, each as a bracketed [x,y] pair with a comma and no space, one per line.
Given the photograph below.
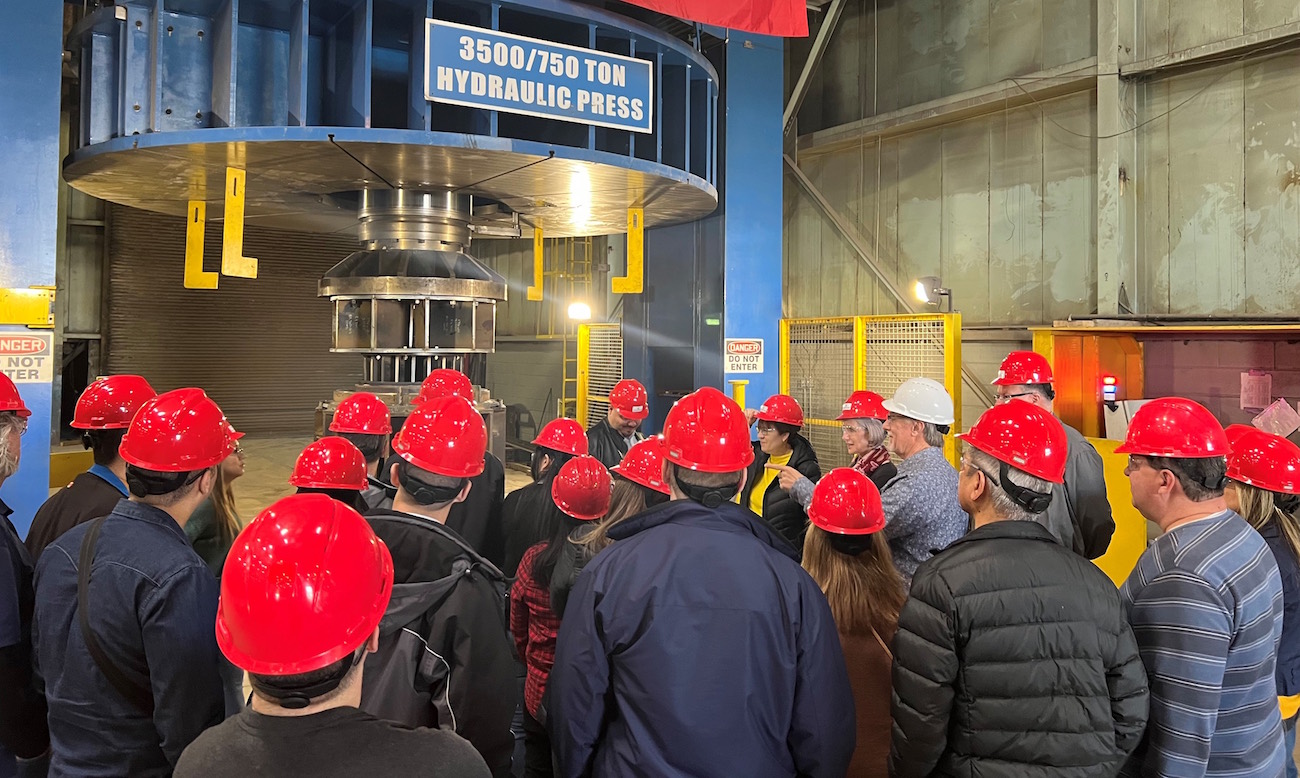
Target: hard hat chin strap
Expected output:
[1034,502]
[298,697]
[709,497]
[426,493]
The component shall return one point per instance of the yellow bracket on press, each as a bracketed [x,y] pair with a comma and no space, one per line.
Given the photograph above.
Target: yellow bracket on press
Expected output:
[233,261]
[539,264]
[31,307]
[634,281]
[195,276]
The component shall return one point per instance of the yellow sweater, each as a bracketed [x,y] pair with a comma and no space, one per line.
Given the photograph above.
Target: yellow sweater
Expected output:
[765,478]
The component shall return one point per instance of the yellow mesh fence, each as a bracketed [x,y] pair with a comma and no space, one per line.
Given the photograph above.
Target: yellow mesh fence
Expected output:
[824,360]
[600,366]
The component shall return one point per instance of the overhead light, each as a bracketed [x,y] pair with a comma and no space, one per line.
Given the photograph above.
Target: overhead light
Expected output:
[929,290]
[579,311]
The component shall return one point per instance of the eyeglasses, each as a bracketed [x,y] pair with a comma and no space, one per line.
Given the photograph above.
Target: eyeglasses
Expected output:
[1005,397]
[765,428]
[847,428]
[23,429]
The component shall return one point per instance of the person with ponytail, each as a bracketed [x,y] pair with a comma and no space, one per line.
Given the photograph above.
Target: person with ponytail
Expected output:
[849,558]
[580,492]
[1264,489]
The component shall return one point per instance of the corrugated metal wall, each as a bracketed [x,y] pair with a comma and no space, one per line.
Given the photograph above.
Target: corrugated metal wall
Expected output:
[891,54]
[1219,190]
[1003,207]
[1000,207]
[259,347]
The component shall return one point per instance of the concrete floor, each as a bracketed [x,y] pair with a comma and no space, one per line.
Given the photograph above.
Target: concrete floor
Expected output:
[269,461]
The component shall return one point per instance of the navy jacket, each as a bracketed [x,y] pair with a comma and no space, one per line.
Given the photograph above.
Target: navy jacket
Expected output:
[697,646]
[1288,651]
[153,607]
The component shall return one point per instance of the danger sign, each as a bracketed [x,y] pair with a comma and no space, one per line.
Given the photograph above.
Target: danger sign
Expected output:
[26,357]
[744,355]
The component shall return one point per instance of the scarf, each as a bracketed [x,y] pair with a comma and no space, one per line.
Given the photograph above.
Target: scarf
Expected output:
[871,461]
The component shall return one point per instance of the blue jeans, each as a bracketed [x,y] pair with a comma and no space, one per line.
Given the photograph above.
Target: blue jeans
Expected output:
[1288,732]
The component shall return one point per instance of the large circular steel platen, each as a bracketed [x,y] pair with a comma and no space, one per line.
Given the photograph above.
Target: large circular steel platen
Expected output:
[308,178]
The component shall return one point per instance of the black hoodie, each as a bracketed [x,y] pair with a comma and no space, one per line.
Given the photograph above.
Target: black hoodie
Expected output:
[445,659]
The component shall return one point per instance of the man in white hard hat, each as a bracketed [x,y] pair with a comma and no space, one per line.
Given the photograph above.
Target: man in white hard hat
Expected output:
[920,503]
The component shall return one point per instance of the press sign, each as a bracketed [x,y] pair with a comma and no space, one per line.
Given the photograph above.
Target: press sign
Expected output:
[482,68]
[26,357]
[744,355]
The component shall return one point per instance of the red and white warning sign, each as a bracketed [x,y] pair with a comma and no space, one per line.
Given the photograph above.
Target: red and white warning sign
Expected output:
[27,357]
[744,355]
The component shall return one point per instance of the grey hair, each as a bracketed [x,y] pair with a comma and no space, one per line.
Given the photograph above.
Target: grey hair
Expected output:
[9,422]
[1003,505]
[933,436]
[874,428]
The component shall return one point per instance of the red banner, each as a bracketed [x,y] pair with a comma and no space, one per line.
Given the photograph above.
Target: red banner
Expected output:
[784,18]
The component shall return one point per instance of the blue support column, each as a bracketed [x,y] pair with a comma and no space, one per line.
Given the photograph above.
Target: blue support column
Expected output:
[752,202]
[30,73]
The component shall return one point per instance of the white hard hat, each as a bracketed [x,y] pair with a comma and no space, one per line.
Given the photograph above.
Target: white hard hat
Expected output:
[923,399]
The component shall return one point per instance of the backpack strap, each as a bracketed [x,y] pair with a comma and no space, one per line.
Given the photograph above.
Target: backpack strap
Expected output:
[139,696]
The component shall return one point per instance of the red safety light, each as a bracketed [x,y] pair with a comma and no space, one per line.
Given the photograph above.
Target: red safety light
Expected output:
[1109,388]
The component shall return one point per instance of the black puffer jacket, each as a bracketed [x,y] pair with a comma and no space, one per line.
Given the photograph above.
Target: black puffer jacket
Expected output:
[1013,658]
[780,510]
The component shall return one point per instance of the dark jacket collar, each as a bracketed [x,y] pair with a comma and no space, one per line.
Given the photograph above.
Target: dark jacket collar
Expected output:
[1018,530]
[727,516]
[129,509]
[446,540]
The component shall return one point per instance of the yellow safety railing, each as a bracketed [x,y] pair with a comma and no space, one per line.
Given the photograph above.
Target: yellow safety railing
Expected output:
[824,360]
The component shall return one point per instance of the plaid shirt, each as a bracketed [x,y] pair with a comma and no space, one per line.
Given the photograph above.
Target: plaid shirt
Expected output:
[534,626]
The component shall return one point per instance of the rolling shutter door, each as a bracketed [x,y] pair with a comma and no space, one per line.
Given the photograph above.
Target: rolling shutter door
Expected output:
[259,347]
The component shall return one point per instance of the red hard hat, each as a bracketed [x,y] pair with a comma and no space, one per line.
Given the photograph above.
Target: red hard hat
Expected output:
[1236,432]
[1263,460]
[707,431]
[863,405]
[110,403]
[1025,437]
[330,463]
[563,435]
[177,432]
[629,398]
[10,400]
[846,502]
[581,488]
[781,409]
[304,586]
[446,436]
[445,382]
[1024,367]
[644,464]
[362,414]
[1174,427]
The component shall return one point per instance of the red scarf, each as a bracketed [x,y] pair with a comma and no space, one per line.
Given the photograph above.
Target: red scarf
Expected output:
[868,463]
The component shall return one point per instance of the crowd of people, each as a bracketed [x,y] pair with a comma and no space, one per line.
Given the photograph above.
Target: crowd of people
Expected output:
[702,602]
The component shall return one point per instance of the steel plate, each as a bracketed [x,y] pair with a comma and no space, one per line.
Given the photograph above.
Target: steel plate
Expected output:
[307,178]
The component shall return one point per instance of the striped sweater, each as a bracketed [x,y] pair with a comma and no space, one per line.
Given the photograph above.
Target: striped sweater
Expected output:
[1205,602]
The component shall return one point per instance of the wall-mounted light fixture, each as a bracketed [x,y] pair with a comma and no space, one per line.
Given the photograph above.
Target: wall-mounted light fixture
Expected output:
[579,311]
[929,290]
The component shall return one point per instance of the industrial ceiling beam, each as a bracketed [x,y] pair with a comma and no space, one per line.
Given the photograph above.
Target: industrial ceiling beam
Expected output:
[859,246]
[829,23]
